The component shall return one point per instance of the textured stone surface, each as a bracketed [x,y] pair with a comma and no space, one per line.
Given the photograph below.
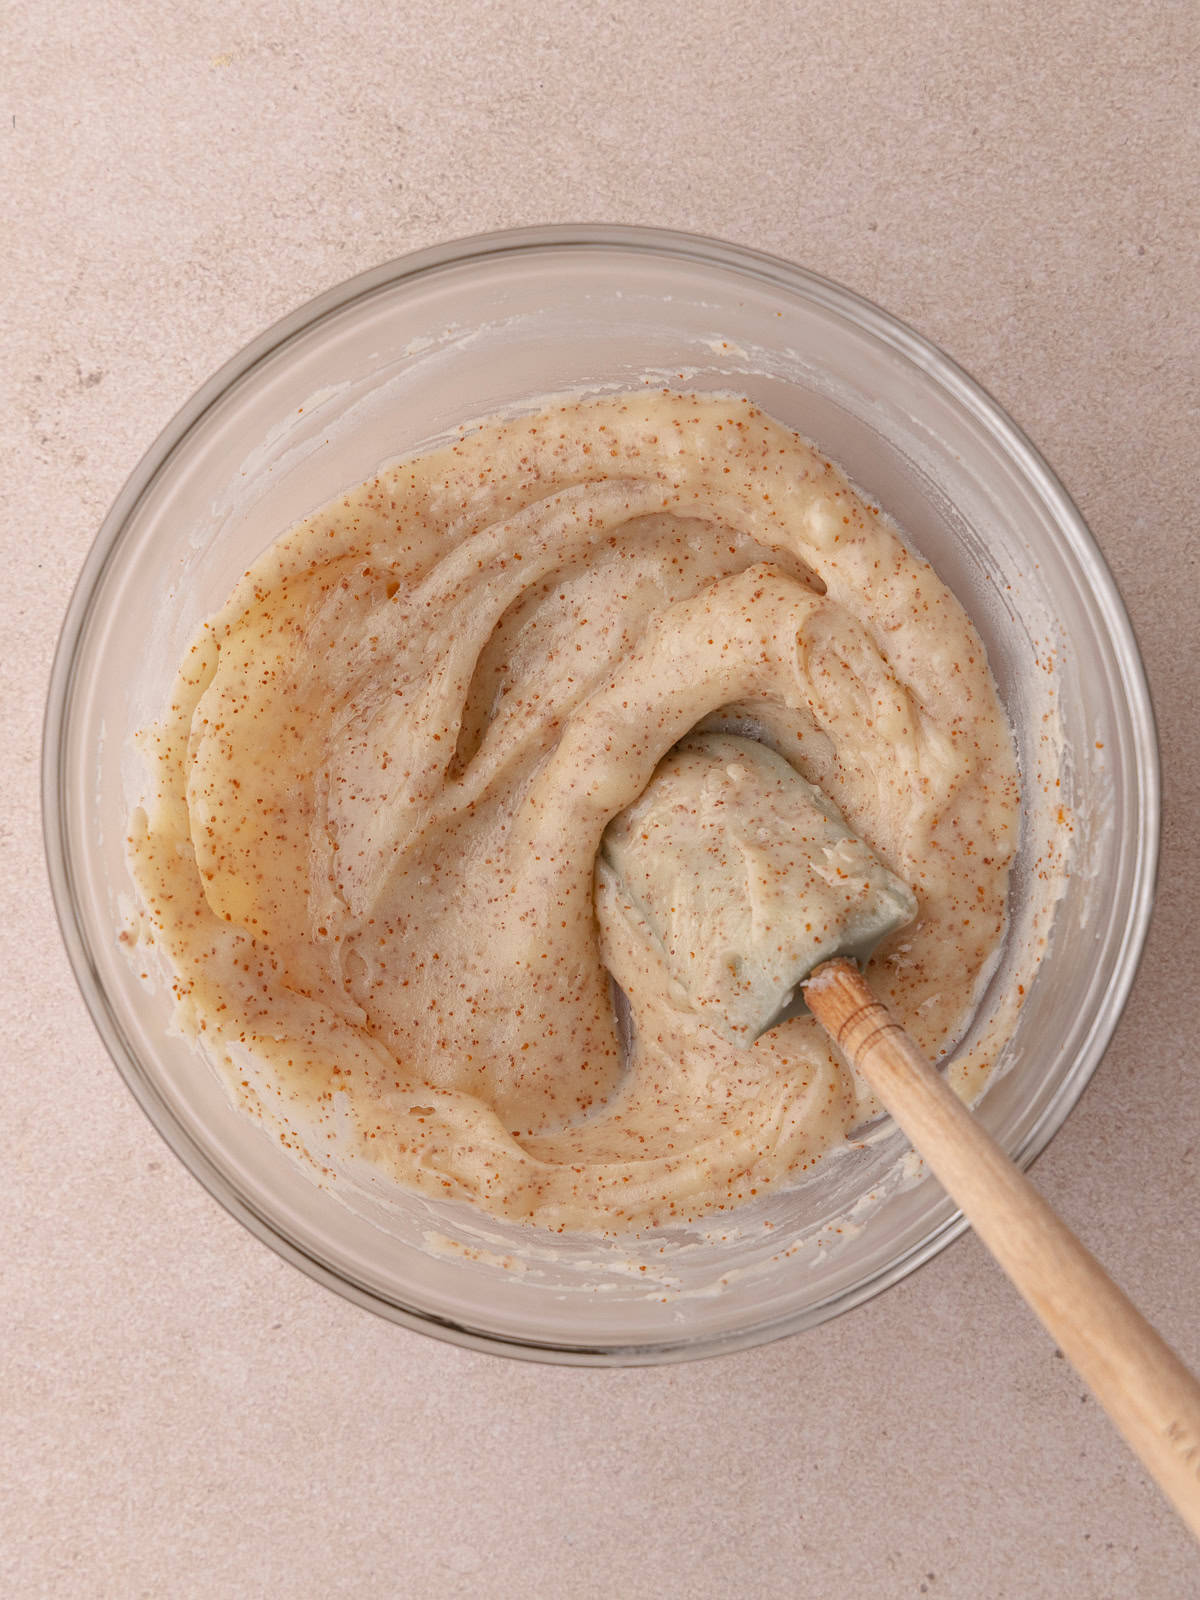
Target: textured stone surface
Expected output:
[183,1414]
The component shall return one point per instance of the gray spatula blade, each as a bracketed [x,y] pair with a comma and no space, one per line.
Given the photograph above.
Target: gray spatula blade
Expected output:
[748,877]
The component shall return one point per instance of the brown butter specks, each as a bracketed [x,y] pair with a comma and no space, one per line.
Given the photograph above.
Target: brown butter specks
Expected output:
[378,796]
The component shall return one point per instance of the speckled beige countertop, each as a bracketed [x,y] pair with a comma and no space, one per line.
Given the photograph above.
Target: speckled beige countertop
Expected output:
[182,1413]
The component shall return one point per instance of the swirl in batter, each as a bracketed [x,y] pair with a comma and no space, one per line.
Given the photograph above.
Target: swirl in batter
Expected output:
[378,797]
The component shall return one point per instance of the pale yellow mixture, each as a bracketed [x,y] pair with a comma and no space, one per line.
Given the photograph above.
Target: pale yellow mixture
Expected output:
[377,800]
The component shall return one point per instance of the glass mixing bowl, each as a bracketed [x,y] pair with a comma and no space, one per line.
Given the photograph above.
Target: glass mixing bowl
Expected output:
[387,363]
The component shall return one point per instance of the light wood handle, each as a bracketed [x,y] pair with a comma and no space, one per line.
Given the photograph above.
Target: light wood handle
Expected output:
[1139,1380]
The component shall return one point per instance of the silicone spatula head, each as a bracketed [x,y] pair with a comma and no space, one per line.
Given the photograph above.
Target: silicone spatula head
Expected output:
[748,878]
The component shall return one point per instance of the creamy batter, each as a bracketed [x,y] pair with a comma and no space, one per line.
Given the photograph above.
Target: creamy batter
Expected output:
[369,854]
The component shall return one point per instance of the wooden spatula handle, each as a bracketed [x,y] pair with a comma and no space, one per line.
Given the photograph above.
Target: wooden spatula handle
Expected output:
[1139,1380]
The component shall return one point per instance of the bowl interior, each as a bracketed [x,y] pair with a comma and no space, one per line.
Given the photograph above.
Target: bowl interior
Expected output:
[389,364]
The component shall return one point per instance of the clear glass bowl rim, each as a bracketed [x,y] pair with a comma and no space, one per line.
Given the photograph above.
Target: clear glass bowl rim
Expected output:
[703,250]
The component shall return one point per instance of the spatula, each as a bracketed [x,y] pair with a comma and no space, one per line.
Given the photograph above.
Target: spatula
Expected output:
[764,901]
